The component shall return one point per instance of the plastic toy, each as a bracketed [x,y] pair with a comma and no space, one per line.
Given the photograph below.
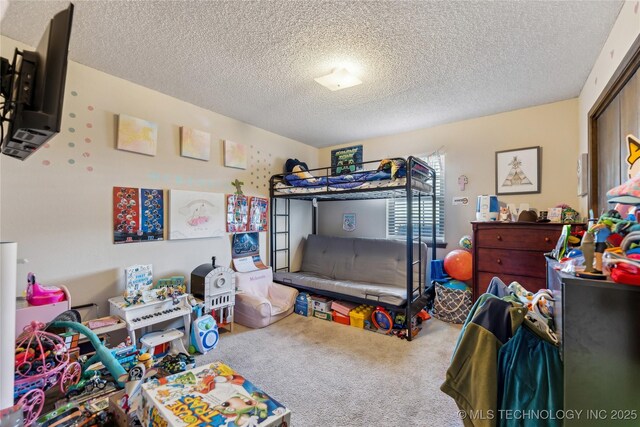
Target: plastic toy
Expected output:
[204,334]
[146,359]
[458,264]
[44,363]
[382,320]
[90,380]
[173,364]
[103,354]
[41,295]
[465,243]
[133,384]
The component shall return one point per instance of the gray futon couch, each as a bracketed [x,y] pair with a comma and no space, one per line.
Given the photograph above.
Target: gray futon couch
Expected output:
[371,269]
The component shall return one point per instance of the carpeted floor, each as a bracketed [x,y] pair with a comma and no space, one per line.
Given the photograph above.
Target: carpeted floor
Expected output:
[334,375]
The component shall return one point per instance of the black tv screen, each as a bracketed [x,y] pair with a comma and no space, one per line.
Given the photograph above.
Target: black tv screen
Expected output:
[34,90]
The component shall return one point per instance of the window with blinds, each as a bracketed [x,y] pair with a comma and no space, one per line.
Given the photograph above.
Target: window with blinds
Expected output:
[397,208]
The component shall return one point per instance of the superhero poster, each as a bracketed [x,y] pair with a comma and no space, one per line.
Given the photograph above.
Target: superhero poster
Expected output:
[138,215]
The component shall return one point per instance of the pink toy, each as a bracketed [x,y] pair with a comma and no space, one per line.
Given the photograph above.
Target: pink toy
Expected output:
[41,295]
[42,361]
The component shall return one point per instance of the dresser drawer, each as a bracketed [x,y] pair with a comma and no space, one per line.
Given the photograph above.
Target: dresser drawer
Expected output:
[541,239]
[507,261]
[532,284]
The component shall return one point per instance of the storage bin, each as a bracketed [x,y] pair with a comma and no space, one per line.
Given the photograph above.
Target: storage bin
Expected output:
[340,318]
[359,314]
[321,303]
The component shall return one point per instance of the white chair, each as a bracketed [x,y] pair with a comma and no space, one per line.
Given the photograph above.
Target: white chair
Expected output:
[261,302]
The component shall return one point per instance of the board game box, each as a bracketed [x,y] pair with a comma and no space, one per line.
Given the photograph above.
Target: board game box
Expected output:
[210,395]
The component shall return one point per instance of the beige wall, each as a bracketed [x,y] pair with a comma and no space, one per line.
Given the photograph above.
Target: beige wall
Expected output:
[470,146]
[622,36]
[57,204]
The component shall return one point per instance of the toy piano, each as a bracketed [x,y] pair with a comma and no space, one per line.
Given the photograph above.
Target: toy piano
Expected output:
[143,315]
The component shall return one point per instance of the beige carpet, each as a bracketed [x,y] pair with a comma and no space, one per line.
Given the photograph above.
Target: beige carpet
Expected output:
[334,375]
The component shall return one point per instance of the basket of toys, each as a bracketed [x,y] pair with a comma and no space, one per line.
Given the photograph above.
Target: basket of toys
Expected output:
[41,362]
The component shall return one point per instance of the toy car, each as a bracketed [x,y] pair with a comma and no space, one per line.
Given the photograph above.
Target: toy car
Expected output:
[90,381]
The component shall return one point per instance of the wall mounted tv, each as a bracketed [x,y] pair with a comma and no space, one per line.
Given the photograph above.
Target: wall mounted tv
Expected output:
[32,86]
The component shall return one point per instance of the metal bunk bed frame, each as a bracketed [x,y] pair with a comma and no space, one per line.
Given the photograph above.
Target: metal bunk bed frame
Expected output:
[418,172]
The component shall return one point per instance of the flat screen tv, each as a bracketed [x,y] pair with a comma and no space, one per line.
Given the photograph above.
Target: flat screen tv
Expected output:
[33,90]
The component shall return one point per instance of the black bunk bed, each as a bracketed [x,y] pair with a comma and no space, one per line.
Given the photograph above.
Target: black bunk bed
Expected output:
[419,182]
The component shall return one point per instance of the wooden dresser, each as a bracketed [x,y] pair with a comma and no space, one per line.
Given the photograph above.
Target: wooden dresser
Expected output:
[512,251]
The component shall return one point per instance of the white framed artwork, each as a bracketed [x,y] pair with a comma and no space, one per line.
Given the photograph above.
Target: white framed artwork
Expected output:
[196,214]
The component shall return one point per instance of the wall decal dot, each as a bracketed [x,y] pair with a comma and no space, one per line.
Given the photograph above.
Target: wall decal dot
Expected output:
[635,9]
[596,81]
[86,154]
[72,115]
[71,144]
[72,130]
[46,162]
[74,93]
[89,125]
[71,161]
[90,108]
[87,140]
[90,168]
[611,53]
[47,145]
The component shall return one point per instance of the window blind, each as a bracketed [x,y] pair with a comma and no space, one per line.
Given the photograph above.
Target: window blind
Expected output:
[397,208]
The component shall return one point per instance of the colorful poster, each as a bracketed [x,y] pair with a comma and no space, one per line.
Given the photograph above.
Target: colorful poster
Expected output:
[237,213]
[345,161]
[195,214]
[138,215]
[245,252]
[258,214]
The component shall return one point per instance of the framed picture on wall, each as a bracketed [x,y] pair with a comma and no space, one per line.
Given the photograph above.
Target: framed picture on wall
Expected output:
[345,161]
[518,171]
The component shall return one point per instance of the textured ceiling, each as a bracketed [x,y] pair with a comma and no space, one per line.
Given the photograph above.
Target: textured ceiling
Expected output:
[421,63]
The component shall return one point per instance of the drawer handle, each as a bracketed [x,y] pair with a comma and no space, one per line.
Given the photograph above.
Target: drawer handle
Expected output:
[499,261]
[546,239]
[499,237]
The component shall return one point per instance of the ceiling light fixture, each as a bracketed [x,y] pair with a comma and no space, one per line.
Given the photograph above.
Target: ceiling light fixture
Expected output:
[340,78]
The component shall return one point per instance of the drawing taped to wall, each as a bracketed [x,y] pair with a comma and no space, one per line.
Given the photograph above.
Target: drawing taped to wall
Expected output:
[195,214]
[195,143]
[235,155]
[138,215]
[137,135]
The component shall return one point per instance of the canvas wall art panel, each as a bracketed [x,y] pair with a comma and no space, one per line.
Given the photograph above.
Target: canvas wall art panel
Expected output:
[196,214]
[235,155]
[137,135]
[195,143]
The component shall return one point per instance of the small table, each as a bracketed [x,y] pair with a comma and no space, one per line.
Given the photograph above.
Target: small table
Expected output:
[212,395]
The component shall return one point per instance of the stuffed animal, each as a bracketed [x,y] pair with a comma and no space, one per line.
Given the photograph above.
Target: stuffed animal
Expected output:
[299,169]
[393,166]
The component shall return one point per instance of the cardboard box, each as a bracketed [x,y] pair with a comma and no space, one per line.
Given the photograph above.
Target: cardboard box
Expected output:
[121,419]
[303,305]
[343,307]
[322,315]
[213,395]
[321,303]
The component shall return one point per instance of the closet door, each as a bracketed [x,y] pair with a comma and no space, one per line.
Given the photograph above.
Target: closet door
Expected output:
[609,152]
[629,119]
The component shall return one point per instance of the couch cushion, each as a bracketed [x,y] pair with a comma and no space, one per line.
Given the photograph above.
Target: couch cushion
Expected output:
[376,261]
[373,292]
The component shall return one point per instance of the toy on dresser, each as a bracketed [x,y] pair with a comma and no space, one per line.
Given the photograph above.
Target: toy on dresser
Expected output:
[216,286]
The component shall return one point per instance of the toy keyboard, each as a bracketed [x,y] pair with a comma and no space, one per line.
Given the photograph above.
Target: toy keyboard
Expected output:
[151,313]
